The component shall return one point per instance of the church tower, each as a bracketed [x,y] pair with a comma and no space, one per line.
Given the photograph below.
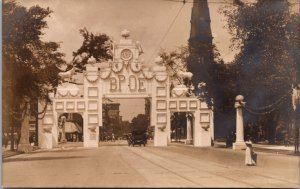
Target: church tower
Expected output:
[200,43]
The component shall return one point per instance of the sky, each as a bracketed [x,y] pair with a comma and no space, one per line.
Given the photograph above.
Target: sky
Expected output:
[147,20]
[157,24]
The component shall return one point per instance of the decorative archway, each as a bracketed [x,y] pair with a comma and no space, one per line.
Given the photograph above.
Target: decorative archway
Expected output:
[126,77]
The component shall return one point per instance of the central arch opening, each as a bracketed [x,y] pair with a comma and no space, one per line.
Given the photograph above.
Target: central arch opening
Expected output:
[122,116]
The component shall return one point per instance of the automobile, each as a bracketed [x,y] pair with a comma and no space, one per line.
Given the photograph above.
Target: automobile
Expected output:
[138,137]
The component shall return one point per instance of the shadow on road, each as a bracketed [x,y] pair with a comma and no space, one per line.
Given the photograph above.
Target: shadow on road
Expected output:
[40,158]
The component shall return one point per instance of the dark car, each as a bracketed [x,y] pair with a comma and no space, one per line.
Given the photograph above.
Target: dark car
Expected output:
[138,137]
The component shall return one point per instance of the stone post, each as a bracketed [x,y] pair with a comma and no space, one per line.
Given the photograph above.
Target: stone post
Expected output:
[189,139]
[239,142]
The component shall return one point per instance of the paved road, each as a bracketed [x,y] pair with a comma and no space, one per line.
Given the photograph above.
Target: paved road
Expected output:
[172,166]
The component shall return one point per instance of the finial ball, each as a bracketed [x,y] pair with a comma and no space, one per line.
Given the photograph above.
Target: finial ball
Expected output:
[239,98]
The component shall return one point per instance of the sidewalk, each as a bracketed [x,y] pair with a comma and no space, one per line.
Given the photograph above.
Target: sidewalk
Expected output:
[267,148]
[7,153]
[62,146]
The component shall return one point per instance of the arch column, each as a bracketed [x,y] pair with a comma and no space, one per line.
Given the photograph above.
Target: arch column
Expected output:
[63,130]
[189,129]
[55,130]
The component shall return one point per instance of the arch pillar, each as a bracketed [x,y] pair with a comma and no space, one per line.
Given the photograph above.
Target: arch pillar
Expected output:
[239,143]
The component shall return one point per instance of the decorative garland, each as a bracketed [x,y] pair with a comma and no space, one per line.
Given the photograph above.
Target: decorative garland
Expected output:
[161,78]
[92,79]
[107,75]
[73,92]
[116,65]
[62,92]
[147,76]
[136,65]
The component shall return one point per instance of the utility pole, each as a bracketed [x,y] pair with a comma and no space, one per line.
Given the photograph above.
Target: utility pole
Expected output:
[296,108]
[36,115]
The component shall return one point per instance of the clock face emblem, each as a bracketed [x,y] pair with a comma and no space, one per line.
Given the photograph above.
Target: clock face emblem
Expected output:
[126,54]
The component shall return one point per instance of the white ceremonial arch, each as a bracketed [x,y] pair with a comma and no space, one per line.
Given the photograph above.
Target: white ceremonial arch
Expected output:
[126,77]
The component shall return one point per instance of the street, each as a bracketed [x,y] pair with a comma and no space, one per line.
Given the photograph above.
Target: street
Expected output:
[117,165]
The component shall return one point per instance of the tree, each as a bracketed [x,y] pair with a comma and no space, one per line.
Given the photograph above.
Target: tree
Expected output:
[29,65]
[97,45]
[267,34]
[175,61]
[140,123]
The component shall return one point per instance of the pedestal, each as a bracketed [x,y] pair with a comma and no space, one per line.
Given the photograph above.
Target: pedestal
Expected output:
[190,141]
[239,146]
[26,148]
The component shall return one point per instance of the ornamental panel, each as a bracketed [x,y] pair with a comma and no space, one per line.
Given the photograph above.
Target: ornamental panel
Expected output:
[59,105]
[92,92]
[203,105]
[193,104]
[93,119]
[182,104]
[204,118]
[80,105]
[161,118]
[172,104]
[161,105]
[70,106]
[161,91]
[93,105]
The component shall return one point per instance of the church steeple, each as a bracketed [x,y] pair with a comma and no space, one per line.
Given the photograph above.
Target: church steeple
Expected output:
[200,22]
[200,42]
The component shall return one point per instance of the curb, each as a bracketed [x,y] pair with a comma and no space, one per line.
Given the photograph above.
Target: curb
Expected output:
[256,148]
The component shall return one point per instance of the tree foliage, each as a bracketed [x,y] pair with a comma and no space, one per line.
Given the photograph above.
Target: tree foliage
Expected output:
[29,64]
[267,34]
[140,122]
[97,45]
[175,61]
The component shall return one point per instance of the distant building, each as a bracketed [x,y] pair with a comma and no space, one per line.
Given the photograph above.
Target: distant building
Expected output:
[32,129]
[111,115]
[32,125]
[147,107]
[148,114]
